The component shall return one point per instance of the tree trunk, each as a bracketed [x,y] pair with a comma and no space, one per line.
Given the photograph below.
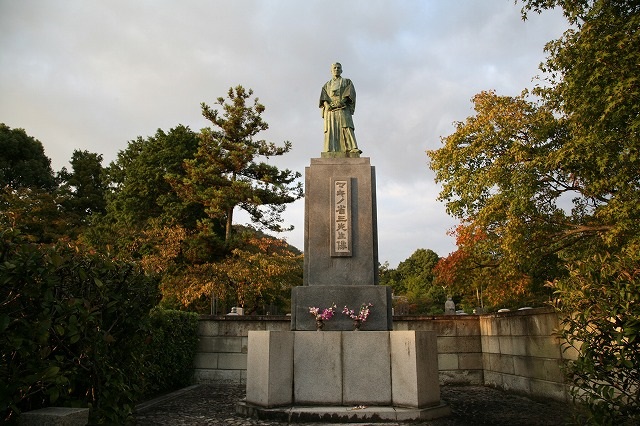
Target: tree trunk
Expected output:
[229,226]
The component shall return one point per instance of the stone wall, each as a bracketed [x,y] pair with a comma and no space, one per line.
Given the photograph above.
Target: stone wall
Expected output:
[521,353]
[459,345]
[514,351]
[222,347]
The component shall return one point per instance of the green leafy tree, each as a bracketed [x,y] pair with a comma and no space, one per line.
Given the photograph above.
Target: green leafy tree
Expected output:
[138,179]
[83,189]
[35,212]
[555,180]
[594,89]
[601,325]
[140,200]
[413,282]
[598,103]
[226,172]
[29,200]
[500,179]
[72,329]
[23,162]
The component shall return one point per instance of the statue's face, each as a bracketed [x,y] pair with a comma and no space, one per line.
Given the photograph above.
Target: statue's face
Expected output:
[336,70]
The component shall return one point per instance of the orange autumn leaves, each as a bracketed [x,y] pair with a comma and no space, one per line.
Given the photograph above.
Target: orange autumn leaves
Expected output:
[258,270]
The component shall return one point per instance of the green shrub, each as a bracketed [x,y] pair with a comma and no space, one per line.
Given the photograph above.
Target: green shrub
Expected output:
[174,340]
[73,329]
[600,301]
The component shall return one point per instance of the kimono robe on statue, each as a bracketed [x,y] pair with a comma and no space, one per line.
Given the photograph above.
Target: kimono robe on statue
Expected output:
[338,123]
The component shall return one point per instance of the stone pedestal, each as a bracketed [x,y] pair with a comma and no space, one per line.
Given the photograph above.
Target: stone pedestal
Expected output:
[357,264]
[393,373]
[338,374]
[366,378]
[414,367]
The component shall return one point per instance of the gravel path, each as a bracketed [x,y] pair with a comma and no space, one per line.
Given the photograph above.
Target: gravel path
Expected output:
[470,405]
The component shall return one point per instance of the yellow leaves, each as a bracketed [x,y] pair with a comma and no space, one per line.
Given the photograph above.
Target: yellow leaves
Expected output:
[166,245]
[262,266]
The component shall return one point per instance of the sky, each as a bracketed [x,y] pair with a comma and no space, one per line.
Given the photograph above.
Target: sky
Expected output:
[94,75]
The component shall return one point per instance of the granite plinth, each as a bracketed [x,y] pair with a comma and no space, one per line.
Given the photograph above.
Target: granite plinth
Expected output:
[361,266]
[329,368]
[414,368]
[317,368]
[270,366]
[380,318]
[366,380]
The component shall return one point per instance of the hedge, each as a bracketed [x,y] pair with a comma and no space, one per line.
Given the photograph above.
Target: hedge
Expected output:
[74,330]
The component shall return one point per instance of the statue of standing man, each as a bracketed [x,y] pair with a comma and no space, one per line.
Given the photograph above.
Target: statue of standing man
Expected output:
[338,103]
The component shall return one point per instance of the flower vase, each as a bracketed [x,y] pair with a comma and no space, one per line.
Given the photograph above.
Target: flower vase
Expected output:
[319,325]
[356,325]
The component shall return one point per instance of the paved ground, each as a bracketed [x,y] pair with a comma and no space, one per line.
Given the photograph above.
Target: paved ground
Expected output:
[470,405]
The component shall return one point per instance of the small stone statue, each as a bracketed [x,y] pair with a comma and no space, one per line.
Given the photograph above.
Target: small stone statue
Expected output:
[449,307]
[338,103]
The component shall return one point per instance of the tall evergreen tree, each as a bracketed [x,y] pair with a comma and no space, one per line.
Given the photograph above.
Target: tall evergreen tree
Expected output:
[84,184]
[226,171]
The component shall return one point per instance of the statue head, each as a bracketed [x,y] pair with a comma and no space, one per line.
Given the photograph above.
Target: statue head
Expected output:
[336,69]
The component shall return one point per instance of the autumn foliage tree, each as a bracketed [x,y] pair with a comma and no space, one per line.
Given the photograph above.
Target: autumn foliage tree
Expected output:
[172,197]
[476,278]
[499,180]
[549,186]
[261,271]
[554,175]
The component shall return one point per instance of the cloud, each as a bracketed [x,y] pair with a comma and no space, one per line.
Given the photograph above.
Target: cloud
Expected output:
[95,75]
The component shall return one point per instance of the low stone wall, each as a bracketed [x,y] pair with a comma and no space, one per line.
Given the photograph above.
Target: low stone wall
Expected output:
[459,345]
[222,346]
[521,353]
[514,351]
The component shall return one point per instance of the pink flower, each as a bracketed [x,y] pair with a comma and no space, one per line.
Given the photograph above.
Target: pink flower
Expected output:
[325,315]
[362,315]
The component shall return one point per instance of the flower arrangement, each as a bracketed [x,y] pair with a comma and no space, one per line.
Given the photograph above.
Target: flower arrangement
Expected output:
[360,317]
[325,315]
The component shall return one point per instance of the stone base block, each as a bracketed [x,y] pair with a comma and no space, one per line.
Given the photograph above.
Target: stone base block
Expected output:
[303,297]
[317,368]
[270,368]
[342,369]
[367,375]
[55,416]
[414,368]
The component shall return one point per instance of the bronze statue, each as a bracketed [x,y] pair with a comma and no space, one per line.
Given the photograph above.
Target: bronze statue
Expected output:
[338,103]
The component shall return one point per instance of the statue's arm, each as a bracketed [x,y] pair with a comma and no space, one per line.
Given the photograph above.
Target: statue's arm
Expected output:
[324,101]
[349,96]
